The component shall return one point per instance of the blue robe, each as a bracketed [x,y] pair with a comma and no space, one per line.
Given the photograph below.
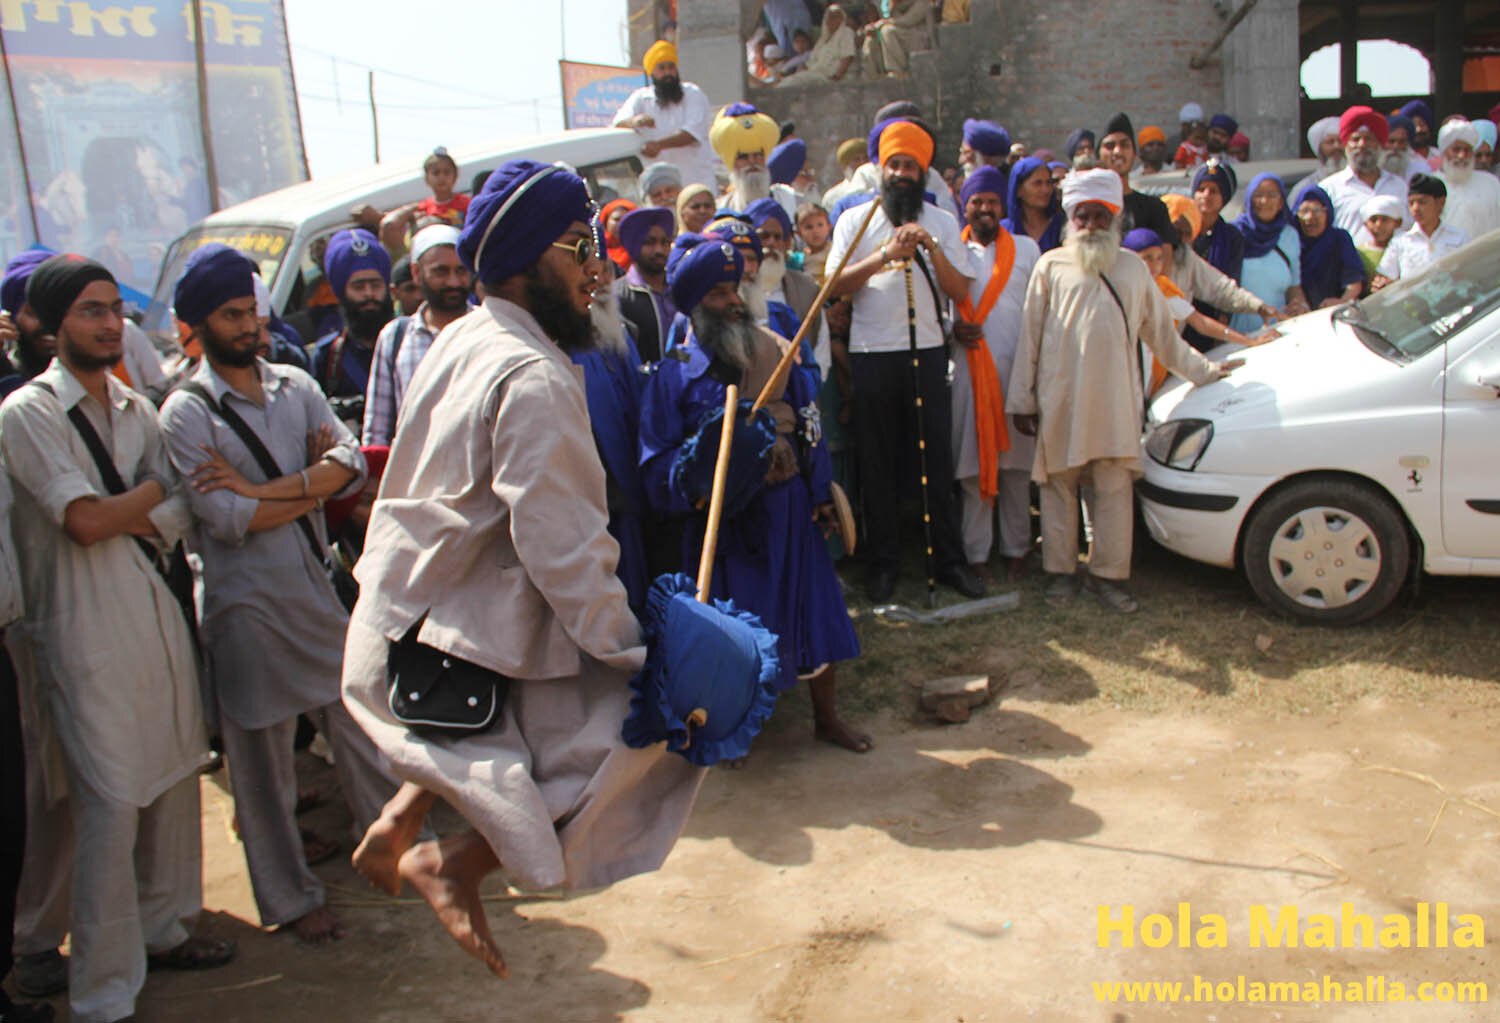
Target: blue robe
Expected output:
[612,383]
[771,558]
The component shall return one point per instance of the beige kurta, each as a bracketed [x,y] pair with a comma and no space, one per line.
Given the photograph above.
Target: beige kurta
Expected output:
[1200,281]
[1076,364]
[110,649]
[491,522]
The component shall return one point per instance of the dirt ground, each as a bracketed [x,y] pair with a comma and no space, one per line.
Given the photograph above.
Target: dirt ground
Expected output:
[957,872]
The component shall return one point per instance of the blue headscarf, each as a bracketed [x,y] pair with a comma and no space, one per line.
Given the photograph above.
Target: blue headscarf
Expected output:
[1330,262]
[1261,237]
[523,208]
[986,137]
[786,161]
[1220,253]
[984,179]
[214,274]
[1015,221]
[696,264]
[17,273]
[348,253]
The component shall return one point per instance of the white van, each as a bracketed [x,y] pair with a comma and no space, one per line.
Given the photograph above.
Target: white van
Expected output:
[282,230]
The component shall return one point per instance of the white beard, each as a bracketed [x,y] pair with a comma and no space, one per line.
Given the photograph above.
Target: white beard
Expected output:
[748,184]
[755,300]
[1095,251]
[609,327]
[1458,174]
[1332,165]
[772,272]
[1395,162]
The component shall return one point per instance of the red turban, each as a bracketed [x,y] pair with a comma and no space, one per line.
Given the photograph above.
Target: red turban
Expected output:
[1356,118]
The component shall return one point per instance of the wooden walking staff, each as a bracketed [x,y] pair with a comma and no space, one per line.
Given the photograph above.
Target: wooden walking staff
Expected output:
[716,496]
[777,383]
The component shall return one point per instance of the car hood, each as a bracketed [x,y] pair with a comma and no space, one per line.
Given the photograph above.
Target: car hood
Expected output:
[1314,367]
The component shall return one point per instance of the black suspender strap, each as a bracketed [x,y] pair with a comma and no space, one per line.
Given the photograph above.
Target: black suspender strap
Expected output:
[1139,368]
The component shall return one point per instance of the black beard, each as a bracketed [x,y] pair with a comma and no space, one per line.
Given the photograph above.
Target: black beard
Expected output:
[548,301]
[728,336]
[224,351]
[32,360]
[984,231]
[668,89]
[1215,146]
[446,300]
[364,320]
[901,199]
[78,359]
[1421,140]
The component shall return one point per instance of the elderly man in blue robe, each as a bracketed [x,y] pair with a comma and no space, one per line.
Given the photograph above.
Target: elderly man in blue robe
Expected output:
[771,558]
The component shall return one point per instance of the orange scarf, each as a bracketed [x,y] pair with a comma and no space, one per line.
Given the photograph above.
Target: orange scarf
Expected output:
[989,402]
[1159,372]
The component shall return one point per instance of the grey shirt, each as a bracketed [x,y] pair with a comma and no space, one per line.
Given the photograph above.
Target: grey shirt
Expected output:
[273,627]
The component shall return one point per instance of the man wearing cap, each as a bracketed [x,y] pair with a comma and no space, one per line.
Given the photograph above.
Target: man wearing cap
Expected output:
[489,543]
[1153,151]
[359,272]
[1429,238]
[744,138]
[659,184]
[1323,141]
[993,464]
[985,143]
[1420,114]
[1077,388]
[444,284]
[1362,133]
[1117,153]
[770,558]
[1473,204]
[273,626]
[672,117]
[644,300]
[905,236]
[106,650]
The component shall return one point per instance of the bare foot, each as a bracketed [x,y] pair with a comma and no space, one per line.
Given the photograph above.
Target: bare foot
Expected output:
[735,763]
[447,873]
[318,927]
[840,734]
[378,857]
[1015,568]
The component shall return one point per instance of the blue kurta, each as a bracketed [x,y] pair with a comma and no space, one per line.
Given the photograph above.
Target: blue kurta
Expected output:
[771,558]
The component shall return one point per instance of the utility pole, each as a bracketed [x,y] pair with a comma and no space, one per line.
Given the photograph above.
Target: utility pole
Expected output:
[374,117]
[205,128]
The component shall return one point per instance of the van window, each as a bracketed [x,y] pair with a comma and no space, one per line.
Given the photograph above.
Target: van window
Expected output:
[263,244]
[613,180]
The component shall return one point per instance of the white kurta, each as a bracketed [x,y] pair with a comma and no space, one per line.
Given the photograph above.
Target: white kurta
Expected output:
[1474,206]
[693,114]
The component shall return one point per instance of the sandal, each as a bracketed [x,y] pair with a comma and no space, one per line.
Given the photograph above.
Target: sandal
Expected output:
[194,954]
[316,849]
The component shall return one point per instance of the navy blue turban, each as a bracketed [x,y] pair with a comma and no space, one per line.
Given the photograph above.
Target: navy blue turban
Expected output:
[1076,139]
[214,274]
[17,273]
[1400,121]
[1419,108]
[786,161]
[523,208]
[635,225]
[984,179]
[56,284]
[698,263]
[737,230]
[986,137]
[762,210]
[1224,123]
[1220,174]
[351,251]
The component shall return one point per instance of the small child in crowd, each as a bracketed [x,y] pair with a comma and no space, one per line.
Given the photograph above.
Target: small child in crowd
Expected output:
[814,230]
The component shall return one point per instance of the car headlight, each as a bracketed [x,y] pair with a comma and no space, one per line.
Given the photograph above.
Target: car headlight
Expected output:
[1180,443]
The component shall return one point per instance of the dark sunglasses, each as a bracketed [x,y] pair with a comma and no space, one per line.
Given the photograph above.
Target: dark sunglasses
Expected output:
[582,249]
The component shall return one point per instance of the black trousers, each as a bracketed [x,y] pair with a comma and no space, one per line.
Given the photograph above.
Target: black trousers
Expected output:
[12,810]
[885,423]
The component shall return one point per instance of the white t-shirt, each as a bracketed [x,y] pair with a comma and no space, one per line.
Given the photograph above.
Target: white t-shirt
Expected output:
[879,320]
[693,114]
[1412,251]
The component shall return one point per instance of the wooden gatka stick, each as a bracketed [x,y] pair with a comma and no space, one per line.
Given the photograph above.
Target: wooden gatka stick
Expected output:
[716,498]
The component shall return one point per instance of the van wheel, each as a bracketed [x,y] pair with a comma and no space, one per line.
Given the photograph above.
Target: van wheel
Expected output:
[1331,552]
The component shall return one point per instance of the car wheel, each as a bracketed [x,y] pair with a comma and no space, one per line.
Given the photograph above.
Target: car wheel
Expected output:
[1327,551]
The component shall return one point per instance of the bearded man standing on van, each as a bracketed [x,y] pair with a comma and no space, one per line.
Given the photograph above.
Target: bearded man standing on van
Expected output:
[672,118]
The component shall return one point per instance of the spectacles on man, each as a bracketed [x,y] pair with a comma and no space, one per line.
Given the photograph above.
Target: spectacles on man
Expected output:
[582,249]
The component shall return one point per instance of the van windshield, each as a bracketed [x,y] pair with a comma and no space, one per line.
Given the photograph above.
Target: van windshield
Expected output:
[263,244]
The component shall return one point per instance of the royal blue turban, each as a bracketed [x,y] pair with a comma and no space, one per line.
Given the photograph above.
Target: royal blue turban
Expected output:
[986,137]
[697,263]
[348,253]
[1076,139]
[1140,239]
[786,161]
[17,273]
[523,208]
[1419,108]
[214,274]
[1220,174]
[762,210]
[1400,121]
[1224,123]
[984,179]
[738,230]
[636,224]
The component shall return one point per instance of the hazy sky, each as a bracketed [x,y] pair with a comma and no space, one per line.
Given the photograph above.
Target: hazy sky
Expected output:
[441,78]
[1390,69]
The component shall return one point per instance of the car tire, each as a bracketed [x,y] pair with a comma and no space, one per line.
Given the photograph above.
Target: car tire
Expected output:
[1332,552]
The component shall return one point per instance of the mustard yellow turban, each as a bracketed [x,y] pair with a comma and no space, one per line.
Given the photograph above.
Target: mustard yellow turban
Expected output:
[661,50]
[740,128]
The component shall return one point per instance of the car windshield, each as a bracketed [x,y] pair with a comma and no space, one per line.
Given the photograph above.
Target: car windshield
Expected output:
[1412,316]
[264,244]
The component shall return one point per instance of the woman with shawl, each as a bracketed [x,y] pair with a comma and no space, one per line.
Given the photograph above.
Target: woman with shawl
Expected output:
[695,208]
[1273,252]
[1217,241]
[1032,206]
[1332,272]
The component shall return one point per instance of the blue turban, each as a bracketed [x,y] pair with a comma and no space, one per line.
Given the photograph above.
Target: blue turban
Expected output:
[1220,174]
[985,179]
[17,273]
[1224,123]
[214,274]
[1400,121]
[698,263]
[736,229]
[503,235]
[1140,239]
[351,251]
[786,161]
[1076,139]
[986,137]
[762,210]
[1419,108]
[635,225]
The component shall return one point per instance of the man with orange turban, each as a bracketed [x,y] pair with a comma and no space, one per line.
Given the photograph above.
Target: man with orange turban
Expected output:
[671,116]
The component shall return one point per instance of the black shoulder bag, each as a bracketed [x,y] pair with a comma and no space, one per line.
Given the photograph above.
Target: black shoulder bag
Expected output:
[171,565]
[1139,368]
[435,693]
[342,579]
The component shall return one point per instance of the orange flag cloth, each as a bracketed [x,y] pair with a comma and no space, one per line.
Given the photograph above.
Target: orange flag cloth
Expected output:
[989,402]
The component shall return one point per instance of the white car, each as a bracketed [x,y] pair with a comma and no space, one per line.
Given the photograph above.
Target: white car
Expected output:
[1360,446]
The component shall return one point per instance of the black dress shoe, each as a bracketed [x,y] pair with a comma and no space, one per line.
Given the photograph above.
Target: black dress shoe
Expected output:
[881,585]
[962,579]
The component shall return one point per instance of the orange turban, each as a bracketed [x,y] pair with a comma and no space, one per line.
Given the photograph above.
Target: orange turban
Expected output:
[661,50]
[1183,206]
[1151,133]
[903,138]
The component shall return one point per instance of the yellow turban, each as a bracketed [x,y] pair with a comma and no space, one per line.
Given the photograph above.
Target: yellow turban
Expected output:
[661,50]
[740,128]
[849,150]
[905,139]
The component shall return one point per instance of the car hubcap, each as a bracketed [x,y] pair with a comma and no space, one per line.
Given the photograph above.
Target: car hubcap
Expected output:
[1324,557]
